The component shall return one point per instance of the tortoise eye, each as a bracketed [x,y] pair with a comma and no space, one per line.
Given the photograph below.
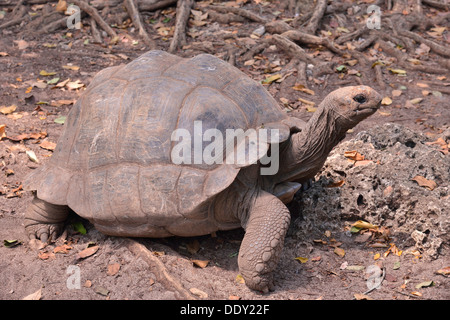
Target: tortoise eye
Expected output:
[360,98]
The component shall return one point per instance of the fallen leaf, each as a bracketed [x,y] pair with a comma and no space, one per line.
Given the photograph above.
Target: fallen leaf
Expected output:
[2,131]
[397,71]
[311,109]
[43,255]
[353,155]
[302,88]
[396,93]
[339,251]
[74,85]
[34,296]
[423,182]
[386,101]
[376,256]
[32,156]
[22,44]
[46,73]
[360,296]
[61,6]
[79,227]
[11,243]
[271,79]
[301,259]
[62,249]
[231,297]
[199,293]
[318,258]
[240,279]
[113,269]
[306,101]
[8,110]
[415,100]
[48,145]
[363,225]
[200,263]
[69,67]
[444,271]
[102,291]
[336,184]
[425,284]
[87,252]
[396,265]
[88,284]
[53,81]
[355,268]
[3,54]
[416,293]
[63,83]
[60,119]
[351,63]
[422,85]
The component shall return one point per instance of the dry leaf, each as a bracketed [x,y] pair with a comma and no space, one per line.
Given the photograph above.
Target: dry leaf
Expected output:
[353,155]
[306,101]
[271,79]
[34,296]
[397,93]
[422,85]
[48,145]
[61,6]
[444,271]
[87,252]
[362,163]
[377,256]
[3,54]
[386,101]
[2,131]
[301,259]
[336,184]
[46,73]
[363,225]
[74,68]
[339,251]
[302,88]
[62,249]
[200,263]
[423,182]
[8,110]
[240,279]
[234,298]
[416,293]
[22,44]
[397,71]
[359,296]
[113,269]
[74,85]
[32,156]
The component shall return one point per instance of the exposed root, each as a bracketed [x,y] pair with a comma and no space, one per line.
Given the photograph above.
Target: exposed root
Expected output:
[137,21]
[319,11]
[240,12]
[183,12]
[158,268]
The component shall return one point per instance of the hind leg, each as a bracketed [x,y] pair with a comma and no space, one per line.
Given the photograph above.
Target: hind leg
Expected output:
[44,220]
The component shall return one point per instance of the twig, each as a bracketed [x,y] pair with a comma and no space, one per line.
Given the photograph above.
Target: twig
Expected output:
[18,12]
[182,17]
[319,11]
[157,268]
[292,49]
[379,76]
[137,21]
[94,14]
[95,33]
[303,37]
[443,51]
[240,12]
[439,5]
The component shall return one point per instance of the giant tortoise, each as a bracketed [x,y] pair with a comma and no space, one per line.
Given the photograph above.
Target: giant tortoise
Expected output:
[115,164]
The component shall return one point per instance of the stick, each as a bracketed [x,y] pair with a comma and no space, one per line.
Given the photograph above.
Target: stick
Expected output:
[157,267]
[95,33]
[240,12]
[137,21]
[443,51]
[182,17]
[439,5]
[94,14]
[302,37]
[292,49]
[319,11]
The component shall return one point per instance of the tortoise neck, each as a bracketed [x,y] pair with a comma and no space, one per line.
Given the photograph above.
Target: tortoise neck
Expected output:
[307,150]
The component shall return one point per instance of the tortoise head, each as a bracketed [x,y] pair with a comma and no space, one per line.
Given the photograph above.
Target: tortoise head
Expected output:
[353,104]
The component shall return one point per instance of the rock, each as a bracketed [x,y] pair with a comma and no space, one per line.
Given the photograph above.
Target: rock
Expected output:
[382,192]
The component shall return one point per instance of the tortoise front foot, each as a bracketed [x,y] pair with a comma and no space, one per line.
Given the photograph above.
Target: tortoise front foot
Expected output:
[261,247]
[45,221]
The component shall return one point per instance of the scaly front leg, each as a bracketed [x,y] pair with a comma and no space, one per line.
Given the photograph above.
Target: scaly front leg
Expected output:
[265,229]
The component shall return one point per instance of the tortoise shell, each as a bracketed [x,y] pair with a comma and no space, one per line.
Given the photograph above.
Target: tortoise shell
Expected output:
[112,164]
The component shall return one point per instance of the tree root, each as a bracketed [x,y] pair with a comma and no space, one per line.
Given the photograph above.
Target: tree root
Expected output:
[158,268]
[182,17]
[98,19]
[240,12]
[319,11]
[137,21]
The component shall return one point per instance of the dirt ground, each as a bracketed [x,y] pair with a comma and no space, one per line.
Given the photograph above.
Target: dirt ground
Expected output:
[201,267]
